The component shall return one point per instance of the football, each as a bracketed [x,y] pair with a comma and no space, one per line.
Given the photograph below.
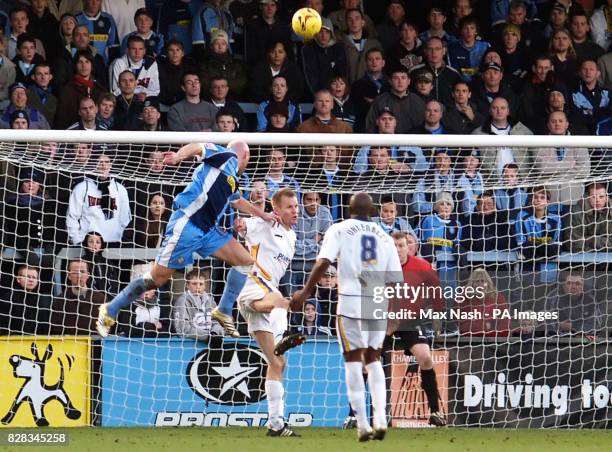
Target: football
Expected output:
[306,23]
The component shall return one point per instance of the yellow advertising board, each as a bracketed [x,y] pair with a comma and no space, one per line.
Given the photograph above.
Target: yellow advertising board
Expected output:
[45,381]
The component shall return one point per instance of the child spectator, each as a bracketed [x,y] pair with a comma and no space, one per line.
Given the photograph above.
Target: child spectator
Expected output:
[388,217]
[344,107]
[590,219]
[154,42]
[27,58]
[149,315]
[470,184]
[105,119]
[511,198]
[191,311]
[440,179]
[465,55]
[310,323]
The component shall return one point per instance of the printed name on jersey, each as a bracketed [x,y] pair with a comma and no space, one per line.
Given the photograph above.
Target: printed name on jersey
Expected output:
[282,258]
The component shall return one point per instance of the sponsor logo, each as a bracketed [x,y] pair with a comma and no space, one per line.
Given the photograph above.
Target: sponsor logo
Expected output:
[185,419]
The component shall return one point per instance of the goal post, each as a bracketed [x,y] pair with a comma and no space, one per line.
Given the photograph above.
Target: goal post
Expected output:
[525,218]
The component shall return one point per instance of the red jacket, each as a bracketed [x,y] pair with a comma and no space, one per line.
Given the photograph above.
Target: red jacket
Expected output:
[487,326]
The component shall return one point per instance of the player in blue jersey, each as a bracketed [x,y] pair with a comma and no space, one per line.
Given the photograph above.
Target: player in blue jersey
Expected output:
[193,228]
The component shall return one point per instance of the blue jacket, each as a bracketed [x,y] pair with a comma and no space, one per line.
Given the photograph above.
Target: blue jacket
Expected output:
[501,8]
[429,187]
[399,225]
[512,200]
[470,189]
[440,240]
[306,246]
[539,240]
[467,61]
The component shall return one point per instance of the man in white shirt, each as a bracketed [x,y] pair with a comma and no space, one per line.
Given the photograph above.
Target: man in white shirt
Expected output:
[143,67]
[367,259]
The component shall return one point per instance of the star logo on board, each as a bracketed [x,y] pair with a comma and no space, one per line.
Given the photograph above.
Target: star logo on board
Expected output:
[234,376]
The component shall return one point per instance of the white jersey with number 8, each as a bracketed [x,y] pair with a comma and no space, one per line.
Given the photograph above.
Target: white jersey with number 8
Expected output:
[360,247]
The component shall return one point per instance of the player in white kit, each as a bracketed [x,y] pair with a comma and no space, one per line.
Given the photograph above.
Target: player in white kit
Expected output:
[366,255]
[272,246]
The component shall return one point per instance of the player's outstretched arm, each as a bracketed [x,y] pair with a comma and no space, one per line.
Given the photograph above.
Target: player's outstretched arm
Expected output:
[318,270]
[187,151]
[243,206]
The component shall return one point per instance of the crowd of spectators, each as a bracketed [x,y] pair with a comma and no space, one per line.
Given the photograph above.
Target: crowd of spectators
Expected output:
[457,67]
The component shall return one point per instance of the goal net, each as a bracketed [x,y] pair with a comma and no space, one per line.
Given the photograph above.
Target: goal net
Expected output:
[517,229]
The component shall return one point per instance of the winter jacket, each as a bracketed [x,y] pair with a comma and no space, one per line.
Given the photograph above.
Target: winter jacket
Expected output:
[29,222]
[37,119]
[7,76]
[582,311]
[409,110]
[62,68]
[315,125]
[322,63]
[261,81]
[356,59]
[23,312]
[226,66]
[444,78]
[191,316]
[306,246]
[589,229]
[146,72]
[69,100]
[73,314]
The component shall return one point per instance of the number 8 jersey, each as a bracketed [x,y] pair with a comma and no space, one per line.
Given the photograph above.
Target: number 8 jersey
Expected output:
[361,247]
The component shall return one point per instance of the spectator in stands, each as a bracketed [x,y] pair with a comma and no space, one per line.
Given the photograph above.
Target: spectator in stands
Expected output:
[103,26]
[563,57]
[443,76]
[408,50]
[407,107]
[44,26]
[191,311]
[142,66]
[470,184]
[357,42]
[88,112]
[276,178]
[26,58]
[82,85]
[124,13]
[436,18]
[154,42]
[312,224]
[7,71]
[151,116]
[531,30]
[511,198]
[326,294]
[578,313]
[24,309]
[388,218]
[212,16]
[562,165]
[67,24]
[278,118]
[220,63]
[323,58]
[99,203]
[492,86]
[328,180]
[535,92]
[590,100]
[557,19]
[19,120]
[461,116]
[487,228]
[460,9]
[219,89]
[465,55]
[148,231]
[599,25]
[106,111]
[382,173]
[104,275]
[322,119]
[192,114]
[150,315]
[129,105]
[584,47]
[389,31]
[310,322]
[259,196]
[225,121]
[590,218]
[63,65]
[265,28]
[275,63]
[373,83]
[423,86]
[75,311]
[40,95]
[339,18]
[60,7]
[171,69]
[278,95]
[432,124]
[485,300]
[440,179]
[345,108]
[19,101]
[174,21]
[19,23]
[500,123]
[514,57]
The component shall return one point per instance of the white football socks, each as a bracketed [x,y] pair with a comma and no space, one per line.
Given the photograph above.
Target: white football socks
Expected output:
[278,320]
[378,391]
[276,405]
[356,393]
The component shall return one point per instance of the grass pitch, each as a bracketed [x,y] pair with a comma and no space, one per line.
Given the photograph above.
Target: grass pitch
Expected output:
[233,439]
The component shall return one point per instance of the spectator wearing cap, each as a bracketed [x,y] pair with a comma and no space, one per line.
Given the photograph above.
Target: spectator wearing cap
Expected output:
[470,185]
[218,90]
[407,107]
[40,93]
[124,13]
[439,179]
[27,58]
[344,105]
[590,100]
[88,111]
[225,122]
[19,21]
[44,26]
[408,49]
[219,62]
[357,42]
[599,25]
[557,19]
[19,101]
[465,54]
[310,322]
[339,19]
[490,86]
[444,77]
[389,31]
[102,25]
[563,57]
[436,18]
[19,120]
[154,42]
[172,66]
[514,56]
[461,115]
[433,123]
[211,16]
[423,86]
[7,71]
[82,85]
[278,94]
[267,27]
[499,122]
[192,114]
[151,116]
[584,47]
[278,118]
[323,58]
[322,119]
[143,67]
[373,83]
